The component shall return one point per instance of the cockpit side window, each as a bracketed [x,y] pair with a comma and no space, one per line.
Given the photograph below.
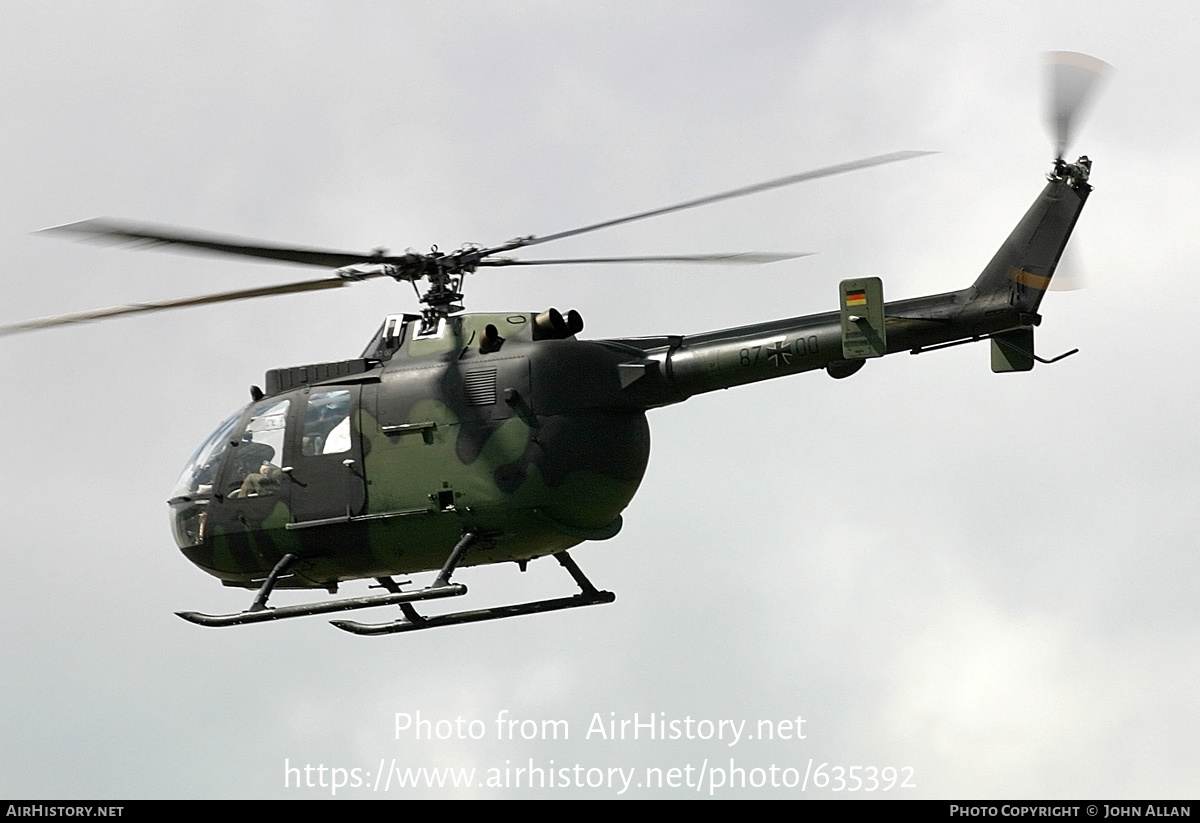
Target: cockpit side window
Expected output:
[327,423]
[258,458]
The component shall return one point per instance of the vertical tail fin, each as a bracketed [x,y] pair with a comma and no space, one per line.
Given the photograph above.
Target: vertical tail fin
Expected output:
[1020,271]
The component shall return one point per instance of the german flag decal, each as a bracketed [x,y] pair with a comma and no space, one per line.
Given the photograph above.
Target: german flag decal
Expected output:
[857,297]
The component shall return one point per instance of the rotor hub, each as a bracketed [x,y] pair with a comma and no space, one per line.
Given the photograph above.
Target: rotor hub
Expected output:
[1074,174]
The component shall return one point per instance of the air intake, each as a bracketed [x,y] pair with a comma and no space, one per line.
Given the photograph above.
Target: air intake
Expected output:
[481,387]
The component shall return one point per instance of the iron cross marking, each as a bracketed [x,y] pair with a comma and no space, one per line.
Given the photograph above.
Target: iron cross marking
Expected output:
[779,352]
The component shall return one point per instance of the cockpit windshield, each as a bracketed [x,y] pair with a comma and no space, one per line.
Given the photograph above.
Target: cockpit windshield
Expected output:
[201,470]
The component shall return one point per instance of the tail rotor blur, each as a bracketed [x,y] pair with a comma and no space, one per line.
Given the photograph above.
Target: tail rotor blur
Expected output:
[1072,79]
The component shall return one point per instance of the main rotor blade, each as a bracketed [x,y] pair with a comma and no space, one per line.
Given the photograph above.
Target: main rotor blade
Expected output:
[815,174]
[150,235]
[1072,78]
[736,258]
[161,305]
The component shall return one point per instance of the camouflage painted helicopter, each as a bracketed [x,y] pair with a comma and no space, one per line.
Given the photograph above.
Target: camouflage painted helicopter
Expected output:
[462,439]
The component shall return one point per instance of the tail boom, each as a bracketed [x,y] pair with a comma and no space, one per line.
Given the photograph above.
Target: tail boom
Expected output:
[1001,304]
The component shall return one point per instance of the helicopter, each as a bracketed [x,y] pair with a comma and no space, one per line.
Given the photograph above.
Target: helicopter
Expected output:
[457,439]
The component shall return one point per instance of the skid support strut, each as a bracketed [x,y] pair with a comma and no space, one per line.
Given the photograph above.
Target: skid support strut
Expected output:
[588,595]
[260,600]
[259,612]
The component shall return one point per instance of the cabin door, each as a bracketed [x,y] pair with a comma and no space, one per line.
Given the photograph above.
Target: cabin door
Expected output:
[325,460]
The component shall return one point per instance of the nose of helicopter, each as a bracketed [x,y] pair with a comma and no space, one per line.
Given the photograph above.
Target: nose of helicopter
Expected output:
[189,499]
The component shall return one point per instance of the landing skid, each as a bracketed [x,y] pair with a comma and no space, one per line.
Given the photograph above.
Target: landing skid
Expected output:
[303,610]
[589,595]
[259,612]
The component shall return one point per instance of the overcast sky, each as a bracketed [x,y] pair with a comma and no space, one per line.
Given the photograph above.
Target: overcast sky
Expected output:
[990,579]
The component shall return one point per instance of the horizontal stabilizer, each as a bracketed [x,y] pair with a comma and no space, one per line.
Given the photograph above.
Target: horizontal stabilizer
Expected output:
[1013,350]
[863,331]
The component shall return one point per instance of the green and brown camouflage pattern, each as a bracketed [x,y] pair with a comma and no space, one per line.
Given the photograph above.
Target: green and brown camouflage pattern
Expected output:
[540,444]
